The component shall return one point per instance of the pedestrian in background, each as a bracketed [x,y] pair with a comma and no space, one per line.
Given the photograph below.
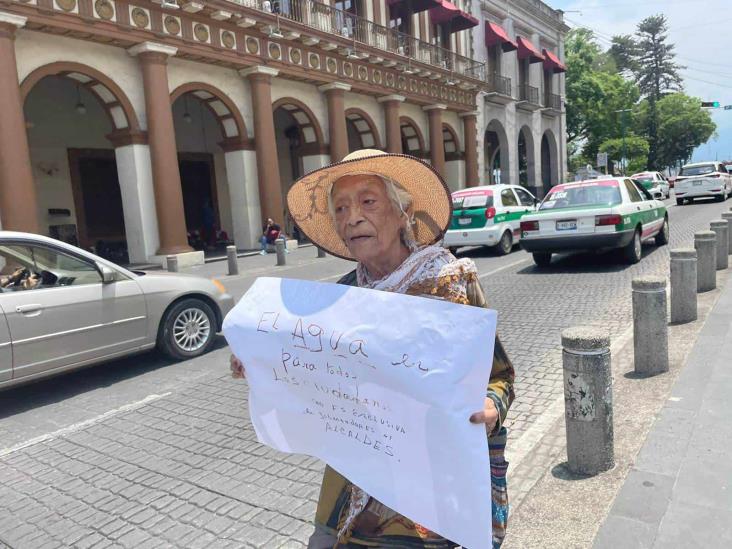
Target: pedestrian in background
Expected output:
[386,212]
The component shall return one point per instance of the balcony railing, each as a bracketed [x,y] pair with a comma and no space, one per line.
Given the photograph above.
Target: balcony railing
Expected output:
[363,32]
[529,93]
[553,101]
[499,84]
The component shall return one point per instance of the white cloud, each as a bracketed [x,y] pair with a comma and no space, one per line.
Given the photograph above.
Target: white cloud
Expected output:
[701,31]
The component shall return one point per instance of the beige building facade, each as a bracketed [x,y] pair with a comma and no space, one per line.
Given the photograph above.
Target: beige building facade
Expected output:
[130,125]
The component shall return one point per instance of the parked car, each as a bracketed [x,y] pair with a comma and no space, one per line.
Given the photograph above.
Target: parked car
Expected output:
[488,216]
[63,308]
[655,183]
[595,216]
[703,180]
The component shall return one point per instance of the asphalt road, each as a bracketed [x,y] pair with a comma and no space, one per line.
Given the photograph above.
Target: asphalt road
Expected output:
[144,451]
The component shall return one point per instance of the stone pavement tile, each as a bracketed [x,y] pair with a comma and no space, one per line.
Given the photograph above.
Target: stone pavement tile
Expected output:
[644,497]
[664,449]
[624,533]
[706,483]
[688,525]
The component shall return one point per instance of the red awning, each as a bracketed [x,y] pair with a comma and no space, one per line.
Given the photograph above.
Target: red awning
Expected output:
[495,34]
[552,62]
[527,50]
[449,14]
[417,5]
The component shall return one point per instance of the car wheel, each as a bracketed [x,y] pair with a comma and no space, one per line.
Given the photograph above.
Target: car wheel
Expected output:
[720,197]
[505,245]
[453,250]
[633,251]
[542,259]
[187,329]
[663,234]
[679,201]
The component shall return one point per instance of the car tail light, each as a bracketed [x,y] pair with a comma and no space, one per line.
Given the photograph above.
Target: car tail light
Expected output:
[603,220]
[529,226]
[490,213]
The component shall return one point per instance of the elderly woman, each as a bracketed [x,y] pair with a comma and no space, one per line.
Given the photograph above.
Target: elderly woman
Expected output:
[386,212]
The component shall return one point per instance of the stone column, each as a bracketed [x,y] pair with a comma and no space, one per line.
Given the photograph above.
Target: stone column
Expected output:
[337,132]
[471,149]
[18,204]
[437,147]
[163,152]
[391,117]
[268,169]
[246,214]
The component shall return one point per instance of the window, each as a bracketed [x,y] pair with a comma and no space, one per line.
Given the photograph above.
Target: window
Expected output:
[645,195]
[582,195]
[24,267]
[633,191]
[702,169]
[494,60]
[400,19]
[508,198]
[525,197]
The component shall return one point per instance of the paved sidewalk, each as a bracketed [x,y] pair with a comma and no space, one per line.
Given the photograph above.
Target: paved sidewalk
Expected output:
[679,493]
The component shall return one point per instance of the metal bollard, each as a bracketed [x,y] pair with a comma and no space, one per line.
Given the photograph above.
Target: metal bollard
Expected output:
[650,328]
[721,228]
[705,243]
[280,247]
[321,252]
[727,216]
[683,285]
[231,259]
[172,262]
[588,400]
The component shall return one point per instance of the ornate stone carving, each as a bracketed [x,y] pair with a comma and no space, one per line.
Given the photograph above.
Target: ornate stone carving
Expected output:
[275,52]
[228,39]
[295,56]
[172,25]
[66,5]
[314,61]
[348,70]
[252,45]
[140,18]
[331,65]
[201,32]
[105,9]
[363,73]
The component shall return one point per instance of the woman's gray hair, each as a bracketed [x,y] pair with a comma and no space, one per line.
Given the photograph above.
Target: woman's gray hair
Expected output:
[401,200]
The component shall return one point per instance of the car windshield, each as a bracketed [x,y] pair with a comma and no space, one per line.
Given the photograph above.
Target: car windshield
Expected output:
[472,199]
[586,194]
[704,169]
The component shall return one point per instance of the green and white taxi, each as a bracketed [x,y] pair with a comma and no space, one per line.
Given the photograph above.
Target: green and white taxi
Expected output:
[595,215]
[488,216]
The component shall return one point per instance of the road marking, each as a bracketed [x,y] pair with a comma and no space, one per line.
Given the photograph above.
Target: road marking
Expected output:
[81,425]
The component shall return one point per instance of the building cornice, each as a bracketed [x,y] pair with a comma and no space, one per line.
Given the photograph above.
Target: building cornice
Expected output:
[17,21]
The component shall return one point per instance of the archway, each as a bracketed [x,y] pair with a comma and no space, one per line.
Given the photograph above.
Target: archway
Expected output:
[362,133]
[450,142]
[526,164]
[300,149]
[75,118]
[496,155]
[549,161]
[412,140]
[207,123]
[454,167]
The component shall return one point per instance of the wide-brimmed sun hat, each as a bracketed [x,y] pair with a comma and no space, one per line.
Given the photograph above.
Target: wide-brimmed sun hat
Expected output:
[307,199]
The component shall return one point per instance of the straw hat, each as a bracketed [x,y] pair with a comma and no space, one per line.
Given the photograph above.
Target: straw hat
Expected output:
[307,199]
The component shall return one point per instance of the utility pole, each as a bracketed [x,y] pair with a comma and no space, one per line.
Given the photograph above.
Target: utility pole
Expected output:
[622,126]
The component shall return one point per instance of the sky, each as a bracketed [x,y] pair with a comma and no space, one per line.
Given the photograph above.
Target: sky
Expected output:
[702,33]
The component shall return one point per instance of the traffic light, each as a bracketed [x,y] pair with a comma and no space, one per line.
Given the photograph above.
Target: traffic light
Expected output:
[710,104]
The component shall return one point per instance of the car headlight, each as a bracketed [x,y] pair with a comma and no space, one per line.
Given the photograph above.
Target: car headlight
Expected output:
[219,286]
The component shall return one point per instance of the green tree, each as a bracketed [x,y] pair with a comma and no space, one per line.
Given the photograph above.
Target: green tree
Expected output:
[624,52]
[682,126]
[634,150]
[581,55]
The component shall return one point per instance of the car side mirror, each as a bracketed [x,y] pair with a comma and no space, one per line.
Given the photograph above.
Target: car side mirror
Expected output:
[109,275]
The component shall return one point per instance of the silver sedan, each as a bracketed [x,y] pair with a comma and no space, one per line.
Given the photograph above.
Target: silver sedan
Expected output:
[62,308]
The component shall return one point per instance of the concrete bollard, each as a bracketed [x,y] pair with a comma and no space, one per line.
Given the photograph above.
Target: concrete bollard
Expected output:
[727,216]
[721,228]
[683,285]
[232,261]
[650,328]
[321,251]
[705,243]
[280,248]
[588,400]
[172,262]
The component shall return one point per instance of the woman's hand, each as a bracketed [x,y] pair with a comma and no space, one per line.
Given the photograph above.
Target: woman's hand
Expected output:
[237,368]
[488,415]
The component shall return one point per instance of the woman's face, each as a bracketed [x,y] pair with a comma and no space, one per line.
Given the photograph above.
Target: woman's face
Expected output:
[365,218]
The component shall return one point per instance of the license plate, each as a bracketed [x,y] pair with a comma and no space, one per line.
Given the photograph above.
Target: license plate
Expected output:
[697,183]
[464,221]
[566,225]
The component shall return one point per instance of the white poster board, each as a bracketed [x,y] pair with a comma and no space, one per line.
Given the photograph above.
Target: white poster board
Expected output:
[378,385]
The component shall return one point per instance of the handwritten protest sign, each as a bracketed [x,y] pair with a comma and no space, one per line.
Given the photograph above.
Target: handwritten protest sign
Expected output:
[378,385]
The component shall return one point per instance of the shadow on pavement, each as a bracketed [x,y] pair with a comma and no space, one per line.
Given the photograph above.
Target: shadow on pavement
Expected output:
[606,262]
[70,384]
[562,472]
